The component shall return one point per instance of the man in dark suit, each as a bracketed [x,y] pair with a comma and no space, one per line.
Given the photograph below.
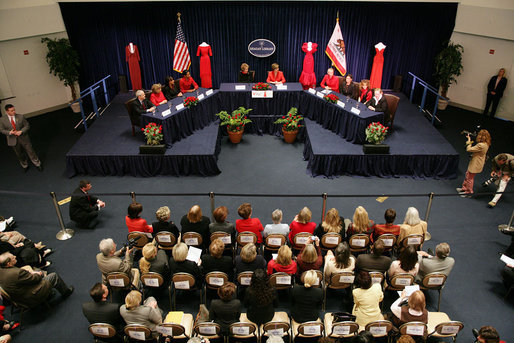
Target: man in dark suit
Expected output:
[29,288]
[141,105]
[102,311]
[495,89]
[15,127]
[84,207]
[378,102]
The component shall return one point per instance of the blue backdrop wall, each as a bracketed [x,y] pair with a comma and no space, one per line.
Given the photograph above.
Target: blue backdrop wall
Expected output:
[413,34]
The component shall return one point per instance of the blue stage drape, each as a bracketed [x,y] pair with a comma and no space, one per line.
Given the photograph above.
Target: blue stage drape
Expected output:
[413,34]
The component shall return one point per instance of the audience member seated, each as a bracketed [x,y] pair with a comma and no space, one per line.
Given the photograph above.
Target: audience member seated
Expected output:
[407,262]
[374,262]
[415,310]
[360,224]
[248,260]
[283,263]
[277,226]
[378,103]
[332,223]
[142,105]
[412,225]
[309,258]
[148,314]
[260,298]
[440,263]
[109,261]
[26,252]
[102,311]
[275,76]
[215,261]
[163,216]
[330,81]
[84,207]
[171,90]
[366,298]
[301,223]
[157,97]
[341,261]
[194,221]
[134,221]
[361,337]
[29,288]
[7,224]
[155,261]
[487,334]
[226,310]
[179,264]
[248,223]
[244,75]
[388,227]
[187,82]
[365,93]
[348,88]
[306,300]
[221,224]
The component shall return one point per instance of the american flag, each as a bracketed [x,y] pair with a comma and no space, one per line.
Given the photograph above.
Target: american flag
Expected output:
[181,58]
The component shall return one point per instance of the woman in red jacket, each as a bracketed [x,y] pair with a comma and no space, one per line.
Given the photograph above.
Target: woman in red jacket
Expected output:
[134,222]
[157,98]
[330,81]
[301,223]
[365,92]
[186,82]
[247,223]
[283,263]
[309,258]
[275,76]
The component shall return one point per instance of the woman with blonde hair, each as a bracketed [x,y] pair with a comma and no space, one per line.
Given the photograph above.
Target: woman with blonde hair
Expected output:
[194,221]
[360,224]
[415,311]
[476,164]
[163,223]
[275,76]
[154,261]
[301,223]
[179,264]
[283,263]
[249,260]
[309,258]
[148,314]
[306,300]
[157,97]
[215,261]
[332,223]
[245,75]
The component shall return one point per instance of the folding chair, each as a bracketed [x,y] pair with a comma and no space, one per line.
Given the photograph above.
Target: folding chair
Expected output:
[138,332]
[389,241]
[319,282]
[300,240]
[414,240]
[274,241]
[278,326]
[118,282]
[244,238]
[101,331]
[154,281]
[181,331]
[243,331]
[213,281]
[359,242]
[399,281]
[447,329]
[166,240]
[330,241]
[340,280]
[281,281]
[184,282]
[434,281]
[414,329]
[192,239]
[226,238]
[379,328]
[339,330]
[312,330]
[142,238]
[207,329]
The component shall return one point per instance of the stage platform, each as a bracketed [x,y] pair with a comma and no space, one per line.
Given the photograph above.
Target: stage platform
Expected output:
[416,149]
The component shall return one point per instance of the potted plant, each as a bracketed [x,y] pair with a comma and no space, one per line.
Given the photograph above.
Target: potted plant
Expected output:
[191,101]
[376,134]
[235,123]
[448,65]
[153,135]
[64,63]
[290,124]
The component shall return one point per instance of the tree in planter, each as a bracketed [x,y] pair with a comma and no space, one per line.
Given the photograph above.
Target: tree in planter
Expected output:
[448,65]
[63,61]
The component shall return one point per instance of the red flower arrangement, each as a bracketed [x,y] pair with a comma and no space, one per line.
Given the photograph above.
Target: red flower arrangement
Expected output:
[153,134]
[261,86]
[190,101]
[290,122]
[376,133]
[332,98]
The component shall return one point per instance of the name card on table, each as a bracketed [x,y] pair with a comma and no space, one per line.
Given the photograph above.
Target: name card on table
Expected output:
[201,96]
[326,91]
[355,111]
[166,113]
[320,95]
[179,107]
[240,87]
[312,91]
[209,92]
[281,87]
[340,104]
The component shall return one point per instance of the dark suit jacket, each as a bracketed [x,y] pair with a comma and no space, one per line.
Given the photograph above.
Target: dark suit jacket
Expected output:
[223,264]
[306,303]
[171,93]
[187,267]
[380,107]
[21,125]
[165,226]
[80,205]
[225,313]
[372,263]
[499,89]
[137,107]
[23,287]
[103,312]
[160,265]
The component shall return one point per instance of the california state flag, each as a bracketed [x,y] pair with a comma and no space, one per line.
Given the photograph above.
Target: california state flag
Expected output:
[336,49]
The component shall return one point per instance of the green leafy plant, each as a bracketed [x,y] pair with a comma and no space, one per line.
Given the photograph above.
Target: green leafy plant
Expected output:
[290,122]
[236,121]
[153,134]
[376,133]
[448,65]
[63,61]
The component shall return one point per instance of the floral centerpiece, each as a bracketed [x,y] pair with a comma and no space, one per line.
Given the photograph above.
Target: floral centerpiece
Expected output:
[261,86]
[190,101]
[153,134]
[332,98]
[235,122]
[376,133]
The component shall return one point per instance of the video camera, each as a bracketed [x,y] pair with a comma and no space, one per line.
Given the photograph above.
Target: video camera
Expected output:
[472,134]
[130,244]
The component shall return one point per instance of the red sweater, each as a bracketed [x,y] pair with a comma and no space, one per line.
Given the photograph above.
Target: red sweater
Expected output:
[278,78]
[333,83]
[382,229]
[274,267]
[297,227]
[251,224]
[157,98]
[365,95]
[185,85]
[138,224]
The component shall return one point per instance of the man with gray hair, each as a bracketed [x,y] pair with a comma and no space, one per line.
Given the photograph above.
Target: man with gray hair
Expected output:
[440,263]
[109,261]
[141,104]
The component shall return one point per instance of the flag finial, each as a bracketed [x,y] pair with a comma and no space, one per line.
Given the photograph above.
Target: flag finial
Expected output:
[178,16]
[337,15]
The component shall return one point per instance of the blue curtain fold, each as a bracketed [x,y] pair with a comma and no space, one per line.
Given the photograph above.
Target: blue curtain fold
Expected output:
[413,34]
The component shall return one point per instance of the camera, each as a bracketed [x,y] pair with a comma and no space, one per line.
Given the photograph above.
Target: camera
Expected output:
[472,134]
[130,244]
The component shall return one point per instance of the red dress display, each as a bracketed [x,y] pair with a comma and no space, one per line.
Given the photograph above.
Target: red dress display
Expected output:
[205,65]
[308,77]
[132,59]
[378,65]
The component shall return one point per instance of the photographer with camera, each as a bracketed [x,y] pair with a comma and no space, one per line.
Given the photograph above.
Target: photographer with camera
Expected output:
[109,260]
[476,164]
[503,168]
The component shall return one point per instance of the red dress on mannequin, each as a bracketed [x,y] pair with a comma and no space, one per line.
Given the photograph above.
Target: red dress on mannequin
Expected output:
[378,65]
[308,77]
[205,65]
[132,59]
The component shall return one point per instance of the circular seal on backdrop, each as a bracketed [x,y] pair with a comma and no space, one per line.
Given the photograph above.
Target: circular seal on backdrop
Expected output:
[261,48]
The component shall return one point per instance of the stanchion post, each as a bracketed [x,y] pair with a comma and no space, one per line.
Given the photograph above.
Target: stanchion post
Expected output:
[429,206]
[65,233]
[133,196]
[508,226]
[324,206]
[211,198]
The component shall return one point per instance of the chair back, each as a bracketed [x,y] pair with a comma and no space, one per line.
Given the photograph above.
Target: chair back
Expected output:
[392,105]
[399,281]
[344,329]
[414,240]
[246,237]
[6,296]
[379,328]
[118,280]
[319,275]
[225,237]
[274,241]
[102,330]
[413,329]
[242,330]
[300,240]
[166,240]
[433,281]
[138,332]
[192,239]
[244,278]
[207,329]
[311,329]
[389,240]
[141,241]
[281,280]
[152,280]
[377,277]
[135,119]
[276,329]
[341,280]
[215,280]
[359,242]
[330,240]
[171,330]
[183,281]
[448,329]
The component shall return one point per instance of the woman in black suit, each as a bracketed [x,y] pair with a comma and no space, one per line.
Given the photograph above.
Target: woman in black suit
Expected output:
[171,89]
[215,261]
[306,300]
[260,298]
[179,264]
[244,74]
[225,310]
[163,215]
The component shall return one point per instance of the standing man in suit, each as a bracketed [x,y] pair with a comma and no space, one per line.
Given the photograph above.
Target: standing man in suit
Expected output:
[16,129]
[84,207]
[100,310]
[142,104]
[29,288]
[495,89]
[378,102]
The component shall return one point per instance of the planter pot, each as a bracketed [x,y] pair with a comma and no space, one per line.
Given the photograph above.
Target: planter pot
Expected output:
[158,149]
[289,136]
[235,137]
[442,104]
[375,148]
[75,107]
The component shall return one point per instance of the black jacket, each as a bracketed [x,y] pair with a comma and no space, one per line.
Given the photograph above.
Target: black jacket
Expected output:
[380,107]
[499,89]
[81,204]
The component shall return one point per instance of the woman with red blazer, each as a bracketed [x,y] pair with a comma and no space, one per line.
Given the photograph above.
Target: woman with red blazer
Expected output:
[275,76]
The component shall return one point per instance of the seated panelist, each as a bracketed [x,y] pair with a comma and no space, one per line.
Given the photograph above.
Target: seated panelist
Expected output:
[330,81]
[275,76]
[365,92]
[187,82]
[244,74]
[378,103]
[157,98]
[171,89]
[348,88]
[141,104]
